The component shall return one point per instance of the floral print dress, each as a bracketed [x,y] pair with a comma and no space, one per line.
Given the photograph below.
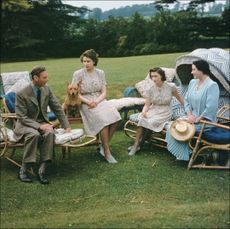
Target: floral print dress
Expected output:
[103,114]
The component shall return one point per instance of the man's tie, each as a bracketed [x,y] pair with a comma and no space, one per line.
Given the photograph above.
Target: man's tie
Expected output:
[39,97]
[40,115]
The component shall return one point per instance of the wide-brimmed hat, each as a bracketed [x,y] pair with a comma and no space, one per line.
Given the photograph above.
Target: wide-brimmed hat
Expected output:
[182,130]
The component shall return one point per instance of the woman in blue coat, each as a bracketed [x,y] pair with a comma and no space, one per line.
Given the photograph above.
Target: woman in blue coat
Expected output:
[201,102]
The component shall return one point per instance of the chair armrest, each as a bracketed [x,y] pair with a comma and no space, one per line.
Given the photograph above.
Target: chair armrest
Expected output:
[9,116]
[204,122]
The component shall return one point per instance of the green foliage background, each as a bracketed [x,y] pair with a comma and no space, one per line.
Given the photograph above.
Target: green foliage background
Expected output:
[58,30]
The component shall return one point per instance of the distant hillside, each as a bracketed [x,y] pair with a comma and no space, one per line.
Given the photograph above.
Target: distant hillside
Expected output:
[127,11]
[148,10]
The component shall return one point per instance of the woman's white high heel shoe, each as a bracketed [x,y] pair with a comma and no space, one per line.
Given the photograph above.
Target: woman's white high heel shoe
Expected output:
[133,150]
[111,159]
[101,150]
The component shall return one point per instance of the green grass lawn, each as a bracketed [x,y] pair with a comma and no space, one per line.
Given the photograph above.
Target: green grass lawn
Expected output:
[148,190]
[120,72]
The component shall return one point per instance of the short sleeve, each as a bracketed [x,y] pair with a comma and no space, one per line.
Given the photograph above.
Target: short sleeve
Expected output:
[77,76]
[103,78]
[173,87]
[148,93]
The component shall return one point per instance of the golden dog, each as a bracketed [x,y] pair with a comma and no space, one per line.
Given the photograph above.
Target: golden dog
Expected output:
[72,102]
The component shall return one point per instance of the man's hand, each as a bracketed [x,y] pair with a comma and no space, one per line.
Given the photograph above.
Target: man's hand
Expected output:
[46,127]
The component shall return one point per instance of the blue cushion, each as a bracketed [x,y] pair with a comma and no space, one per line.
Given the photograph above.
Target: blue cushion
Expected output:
[217,135]
[10,101]
[51,116]
[131,92]
[135,117]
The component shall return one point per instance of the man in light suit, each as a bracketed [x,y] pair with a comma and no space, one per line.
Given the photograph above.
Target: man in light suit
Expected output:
[33,125]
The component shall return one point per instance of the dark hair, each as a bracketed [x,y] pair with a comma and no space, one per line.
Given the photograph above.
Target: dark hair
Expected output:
[202,66]
[36,71]
[90,54]
[159,71]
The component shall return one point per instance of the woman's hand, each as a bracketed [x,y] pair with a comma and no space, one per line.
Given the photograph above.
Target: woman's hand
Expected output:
[198,119]
[92,104]
[191,118]
[144,114]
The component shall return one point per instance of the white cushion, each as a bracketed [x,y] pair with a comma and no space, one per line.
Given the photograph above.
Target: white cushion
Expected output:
[143,86]
[126,102]
[19,85]
[9,133]
[10,78]
[61,137]
[170,73]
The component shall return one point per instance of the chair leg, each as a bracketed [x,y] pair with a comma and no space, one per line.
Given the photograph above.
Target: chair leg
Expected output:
[190,163]
[69,152]
[63,148]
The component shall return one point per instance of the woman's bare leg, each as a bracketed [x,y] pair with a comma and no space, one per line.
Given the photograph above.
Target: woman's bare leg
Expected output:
[104,133]
[139,135]
[112,129]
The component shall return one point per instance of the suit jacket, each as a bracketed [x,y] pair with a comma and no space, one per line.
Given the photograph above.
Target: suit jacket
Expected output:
[27,109]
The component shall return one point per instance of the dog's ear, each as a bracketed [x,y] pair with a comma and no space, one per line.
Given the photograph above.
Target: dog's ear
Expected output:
[68,87]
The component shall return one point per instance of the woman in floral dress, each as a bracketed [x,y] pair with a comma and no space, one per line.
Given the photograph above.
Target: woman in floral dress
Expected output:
[98,116]
[156,111]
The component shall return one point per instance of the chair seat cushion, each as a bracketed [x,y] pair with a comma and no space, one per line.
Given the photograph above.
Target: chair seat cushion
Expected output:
[126,102]
[61,137]
[217,135]
[9,134]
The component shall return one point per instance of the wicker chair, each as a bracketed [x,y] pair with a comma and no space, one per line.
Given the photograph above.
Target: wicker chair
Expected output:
[215,139]
[156,139]
[8,146]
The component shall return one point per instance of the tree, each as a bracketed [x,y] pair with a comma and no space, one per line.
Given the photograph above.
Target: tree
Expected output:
[193,4]
[15,5]
[40,29]
[136,31]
